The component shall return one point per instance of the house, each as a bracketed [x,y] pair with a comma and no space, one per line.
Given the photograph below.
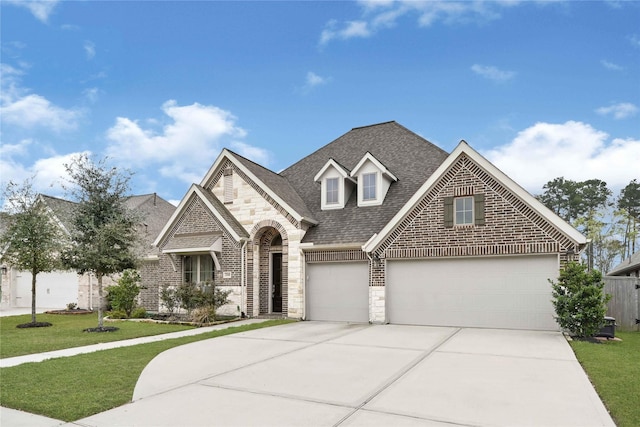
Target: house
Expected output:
[59,288]
[379,225]
[628,267]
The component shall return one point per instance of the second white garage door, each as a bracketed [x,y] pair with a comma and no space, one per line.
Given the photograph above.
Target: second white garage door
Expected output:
[501,292]
[337,291]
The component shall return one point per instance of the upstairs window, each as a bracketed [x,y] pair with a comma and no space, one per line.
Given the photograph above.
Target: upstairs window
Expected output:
[464,211]
[369,186]
[332,191]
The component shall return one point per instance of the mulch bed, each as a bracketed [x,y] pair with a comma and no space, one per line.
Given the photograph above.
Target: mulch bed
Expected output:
[74,311]
[34,325]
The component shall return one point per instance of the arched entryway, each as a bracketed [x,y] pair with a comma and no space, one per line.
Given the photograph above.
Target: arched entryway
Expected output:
[268,261]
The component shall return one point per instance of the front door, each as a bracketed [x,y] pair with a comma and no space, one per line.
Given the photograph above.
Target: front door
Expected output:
[276,282]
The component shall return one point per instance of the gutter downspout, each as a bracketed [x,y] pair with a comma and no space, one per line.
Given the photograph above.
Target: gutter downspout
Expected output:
[243,278]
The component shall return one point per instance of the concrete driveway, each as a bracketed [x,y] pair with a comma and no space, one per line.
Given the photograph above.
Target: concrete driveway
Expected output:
[328,374]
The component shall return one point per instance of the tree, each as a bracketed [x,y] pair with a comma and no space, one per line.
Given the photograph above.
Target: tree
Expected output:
[561,197]
[629,206]
[580,204]
[104,230]
[579,300]
[593,195]
[32,241]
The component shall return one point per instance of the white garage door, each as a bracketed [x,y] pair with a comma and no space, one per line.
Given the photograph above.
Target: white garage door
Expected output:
[501,292]
[337,291]
[53,290]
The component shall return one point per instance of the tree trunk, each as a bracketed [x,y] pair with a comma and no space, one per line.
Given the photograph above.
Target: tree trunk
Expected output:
[100,312]
[33,295]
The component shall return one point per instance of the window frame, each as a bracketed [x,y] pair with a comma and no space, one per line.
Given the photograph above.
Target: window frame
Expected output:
[467,210]
[197,268]
[333,192]
[366,187]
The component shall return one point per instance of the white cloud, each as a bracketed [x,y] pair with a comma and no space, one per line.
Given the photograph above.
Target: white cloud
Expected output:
[185,147]
[256,154]
[611,66]
[349,30]
[30,111]
[313,80]
[619,111]
[385,14]
[574,150]
[89,49]
[41,9]
[33,111]
[47,172]
[91,94]
[492,73]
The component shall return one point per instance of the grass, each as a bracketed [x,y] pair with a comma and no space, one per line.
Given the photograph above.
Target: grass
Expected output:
[614,370]
[67,332]
[76,387]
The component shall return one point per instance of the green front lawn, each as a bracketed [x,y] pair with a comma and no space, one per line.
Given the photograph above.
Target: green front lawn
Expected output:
[67,332]
[614,369]
[71,388]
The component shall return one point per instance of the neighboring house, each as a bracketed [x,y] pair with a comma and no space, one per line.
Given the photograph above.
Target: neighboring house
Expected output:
[380,225]
[628,267]
[59,288]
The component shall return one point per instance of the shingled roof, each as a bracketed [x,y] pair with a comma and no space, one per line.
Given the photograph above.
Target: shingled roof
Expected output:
[153,211]
[411,158]
[627,266]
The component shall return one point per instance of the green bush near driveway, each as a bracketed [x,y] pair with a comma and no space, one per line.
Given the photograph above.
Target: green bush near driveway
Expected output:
[71,388]
[67,332]
[614,369]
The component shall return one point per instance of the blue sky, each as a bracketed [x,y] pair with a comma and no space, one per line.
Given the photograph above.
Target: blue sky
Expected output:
[542,89]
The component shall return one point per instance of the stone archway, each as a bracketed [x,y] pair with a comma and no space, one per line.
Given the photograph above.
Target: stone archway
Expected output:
[267,265]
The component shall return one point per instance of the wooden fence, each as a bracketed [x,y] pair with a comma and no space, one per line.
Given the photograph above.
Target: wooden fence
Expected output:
[624,304]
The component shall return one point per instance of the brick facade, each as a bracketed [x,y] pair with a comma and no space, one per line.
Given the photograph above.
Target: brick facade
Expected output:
[511,227]
[198,220]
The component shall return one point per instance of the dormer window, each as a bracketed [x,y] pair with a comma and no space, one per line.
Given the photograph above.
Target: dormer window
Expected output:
[332,191]
[336,185]
[369,186]
[374,180]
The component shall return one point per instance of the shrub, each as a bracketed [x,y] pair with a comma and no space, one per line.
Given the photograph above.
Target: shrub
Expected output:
[117,314]
[72,306]
[122,297]
[187,295]
[139,313]
[203,315]
[169,298]
[579,300]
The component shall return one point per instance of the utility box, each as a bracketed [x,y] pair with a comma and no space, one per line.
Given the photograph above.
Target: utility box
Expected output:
[609,328]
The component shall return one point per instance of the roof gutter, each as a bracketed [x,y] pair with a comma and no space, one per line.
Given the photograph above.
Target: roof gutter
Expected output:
[310,246]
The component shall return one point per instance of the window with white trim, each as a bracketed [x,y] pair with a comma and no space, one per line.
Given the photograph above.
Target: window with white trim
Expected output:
[463,210]
[332,191]
[369,181]
[197,268]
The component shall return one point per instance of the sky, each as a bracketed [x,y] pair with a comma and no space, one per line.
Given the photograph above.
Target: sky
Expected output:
[541,89]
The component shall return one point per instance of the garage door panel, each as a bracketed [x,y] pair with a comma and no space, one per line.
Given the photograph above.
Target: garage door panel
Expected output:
[337,292]
[506,292]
